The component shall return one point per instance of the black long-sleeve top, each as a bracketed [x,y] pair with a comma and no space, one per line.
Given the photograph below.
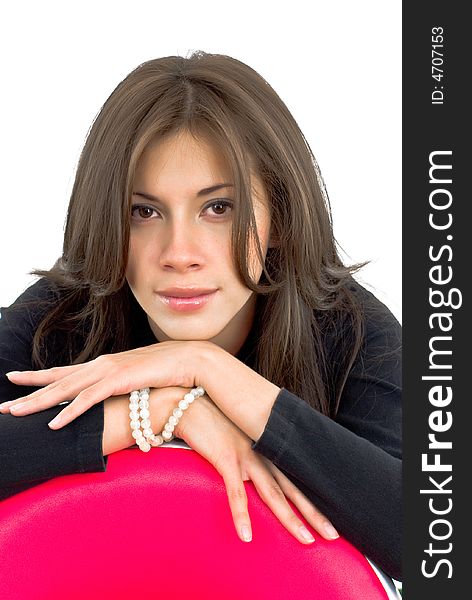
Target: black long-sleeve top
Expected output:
[349,467]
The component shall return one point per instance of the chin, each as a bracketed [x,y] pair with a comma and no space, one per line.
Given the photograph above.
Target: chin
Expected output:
[184,333]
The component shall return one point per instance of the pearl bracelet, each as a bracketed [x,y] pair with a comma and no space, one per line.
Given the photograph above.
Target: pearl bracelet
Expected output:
[139,409]
[139,418]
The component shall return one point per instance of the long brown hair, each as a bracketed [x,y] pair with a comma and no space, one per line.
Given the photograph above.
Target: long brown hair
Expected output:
[304,289]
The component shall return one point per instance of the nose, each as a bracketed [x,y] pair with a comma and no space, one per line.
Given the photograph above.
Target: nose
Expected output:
[182,249]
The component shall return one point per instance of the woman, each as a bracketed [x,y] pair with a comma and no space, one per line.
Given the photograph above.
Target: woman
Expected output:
[199,251]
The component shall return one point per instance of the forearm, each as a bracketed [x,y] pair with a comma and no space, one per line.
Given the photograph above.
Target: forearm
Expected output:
[355,483]
[31,452]
[240,393]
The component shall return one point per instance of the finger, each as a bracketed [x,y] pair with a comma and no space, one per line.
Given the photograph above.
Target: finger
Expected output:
[271,493]
[65,389]
[36,378]
[238,503]
[58,376]
[85,400]
[315,517]
[38,400]
[5,406]
[32,403]
[41,376]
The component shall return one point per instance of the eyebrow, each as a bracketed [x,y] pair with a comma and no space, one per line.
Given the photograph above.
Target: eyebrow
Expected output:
[203,192]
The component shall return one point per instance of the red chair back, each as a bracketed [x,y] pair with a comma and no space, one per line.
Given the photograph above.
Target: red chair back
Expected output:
[159,524]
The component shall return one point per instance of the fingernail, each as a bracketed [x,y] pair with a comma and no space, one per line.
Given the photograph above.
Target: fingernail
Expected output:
[330,531]
[306,535]
[246,533]
[17,406]
[5,404]
[56,421]
[12,373]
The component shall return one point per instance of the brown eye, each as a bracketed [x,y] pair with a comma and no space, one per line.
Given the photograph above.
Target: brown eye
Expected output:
[142,212]
[221,207]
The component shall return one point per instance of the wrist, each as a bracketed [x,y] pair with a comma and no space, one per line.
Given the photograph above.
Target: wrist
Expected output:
[171,405]
[241,393]
[116,429]
[116,425]
[203,354]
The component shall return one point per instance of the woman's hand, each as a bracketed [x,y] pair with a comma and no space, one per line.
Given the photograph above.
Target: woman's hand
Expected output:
[210,433]
[161,365]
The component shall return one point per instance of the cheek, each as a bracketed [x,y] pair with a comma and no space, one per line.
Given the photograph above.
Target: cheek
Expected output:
[215,250]
[136,261]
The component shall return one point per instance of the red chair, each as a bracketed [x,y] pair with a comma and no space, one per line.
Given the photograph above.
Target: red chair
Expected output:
[159,524]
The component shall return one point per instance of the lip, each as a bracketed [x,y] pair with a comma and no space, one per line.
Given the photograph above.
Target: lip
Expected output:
[185,292]
[188,299]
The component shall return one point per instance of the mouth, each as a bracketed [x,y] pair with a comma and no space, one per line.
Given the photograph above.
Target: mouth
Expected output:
[185,302]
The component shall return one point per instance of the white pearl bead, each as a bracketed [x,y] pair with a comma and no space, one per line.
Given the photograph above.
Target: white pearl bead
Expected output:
[133,415]
[143,404]
[145,414]
[177,412]
[134,396]
[144,396]
[144,446]
[189,398]
[147,432]
[156,440]
[200,390]
[169,427]
[167,435]
[173,420]
[135,424]
[137,434]
[145,390]
[183,404]
[145,423]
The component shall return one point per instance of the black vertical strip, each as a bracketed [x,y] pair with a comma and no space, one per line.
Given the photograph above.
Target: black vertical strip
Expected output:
[436,323]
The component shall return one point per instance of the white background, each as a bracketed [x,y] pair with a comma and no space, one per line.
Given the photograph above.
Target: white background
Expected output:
[337,66]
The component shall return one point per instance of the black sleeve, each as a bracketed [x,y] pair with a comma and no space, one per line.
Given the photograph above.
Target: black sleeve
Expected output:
[31,452]
[350,468]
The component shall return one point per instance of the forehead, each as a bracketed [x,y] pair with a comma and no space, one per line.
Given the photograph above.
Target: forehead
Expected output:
[182,164]
[182,159]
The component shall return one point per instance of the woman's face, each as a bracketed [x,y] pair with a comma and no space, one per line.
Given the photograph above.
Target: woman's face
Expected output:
[181,218]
